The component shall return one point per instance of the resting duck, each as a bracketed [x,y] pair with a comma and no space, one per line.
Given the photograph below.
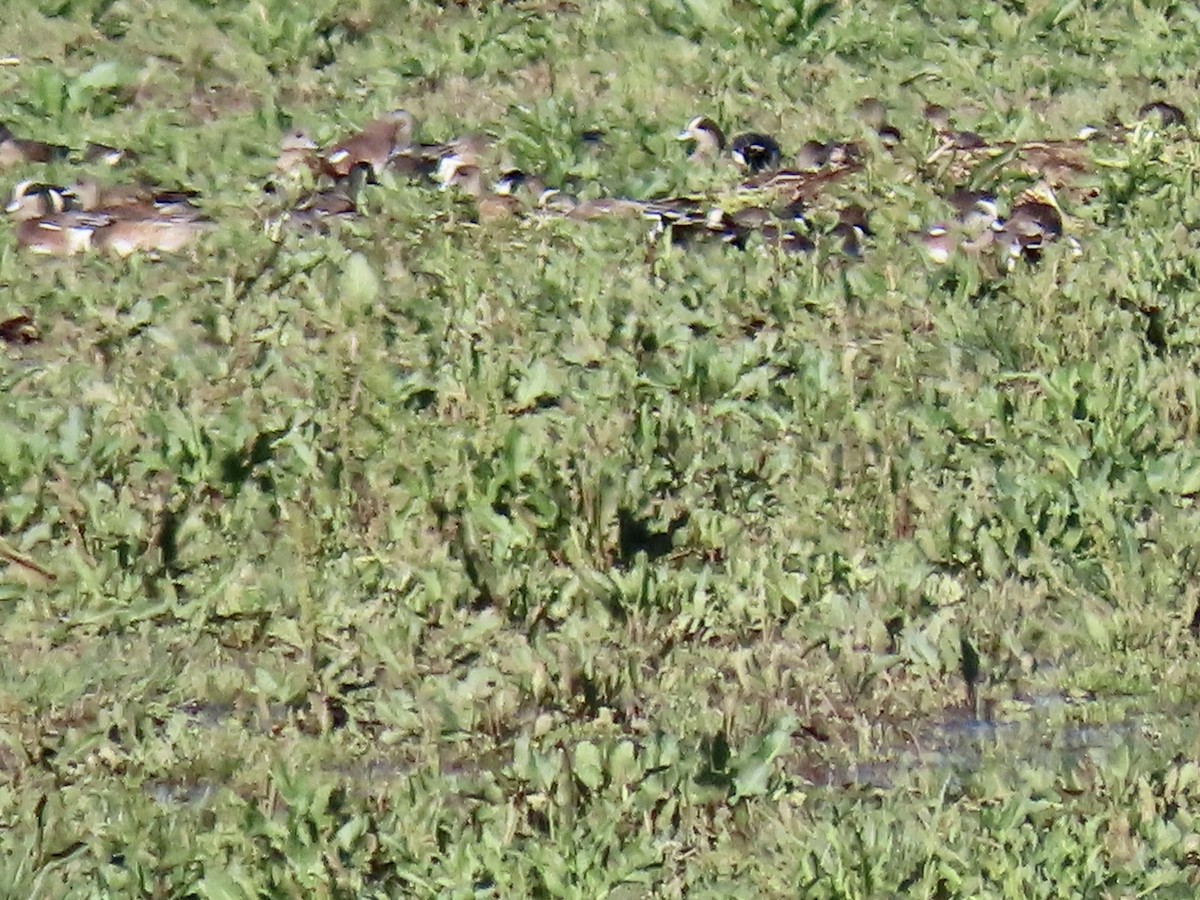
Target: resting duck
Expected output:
[297,151]
[14,150]
[125,236]
[1034,222]
[33,199]
[458,173]
[753,151]
[317,209]
[60,234]
[373,146]
[109,156]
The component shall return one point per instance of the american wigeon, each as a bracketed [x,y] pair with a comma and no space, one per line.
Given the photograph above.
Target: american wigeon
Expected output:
[159,234]
[455,173]
[373,146]
[556,203]
[516,183]
[297,151]
[706,136]
[786,240]
[109,156]
[317,209]
[1168,114]
[705,227]
[851,228]
[592,139]
[975,211]
[815,155]
[15,151]
[942,241]
[872,113]
[134,199]
[939,242]
[1035,221]
[33,199]
[60,234]
[420,162]
[756,152]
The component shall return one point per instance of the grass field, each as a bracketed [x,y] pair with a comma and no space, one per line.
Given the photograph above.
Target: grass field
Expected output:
[534,559]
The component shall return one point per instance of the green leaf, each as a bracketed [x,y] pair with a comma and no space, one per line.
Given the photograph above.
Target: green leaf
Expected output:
[540,381]
[359,284]
[588,766]
[754,772]
[219,885]
[623,767]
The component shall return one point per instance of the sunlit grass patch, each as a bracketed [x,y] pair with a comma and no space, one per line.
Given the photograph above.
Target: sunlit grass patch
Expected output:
[553,557]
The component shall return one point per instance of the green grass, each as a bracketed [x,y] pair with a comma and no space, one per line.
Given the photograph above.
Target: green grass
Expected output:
[432,559]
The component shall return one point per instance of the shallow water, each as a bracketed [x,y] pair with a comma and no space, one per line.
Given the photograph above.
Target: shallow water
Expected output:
[1050,731]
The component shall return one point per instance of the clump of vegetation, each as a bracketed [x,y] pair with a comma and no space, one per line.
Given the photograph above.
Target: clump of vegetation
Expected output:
[539,558]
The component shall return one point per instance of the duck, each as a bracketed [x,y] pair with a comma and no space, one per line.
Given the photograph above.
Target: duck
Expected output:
[33,200]
[950,139]
[158,234]
[817,155]
[804,185]
[752,150]
[873,114]
[693,231]
[943,240]
[963,140]
[133,199]
[813,156]
[60,234]
[374,145]
[1027,230]
[939,242]
[786,239]
[756,152]
[750,217]
[553,202]
[871,111]
[456,173]
[706,136]
[851,228]
[1034,221]
[937,116]
[1168,114]
[296,152]
[420,162]
[518,183]
[109,156]
[975,211]
[15,150]
[592,139]
[315,210]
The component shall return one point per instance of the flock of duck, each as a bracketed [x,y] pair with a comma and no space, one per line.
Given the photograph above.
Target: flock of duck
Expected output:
[771,201]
